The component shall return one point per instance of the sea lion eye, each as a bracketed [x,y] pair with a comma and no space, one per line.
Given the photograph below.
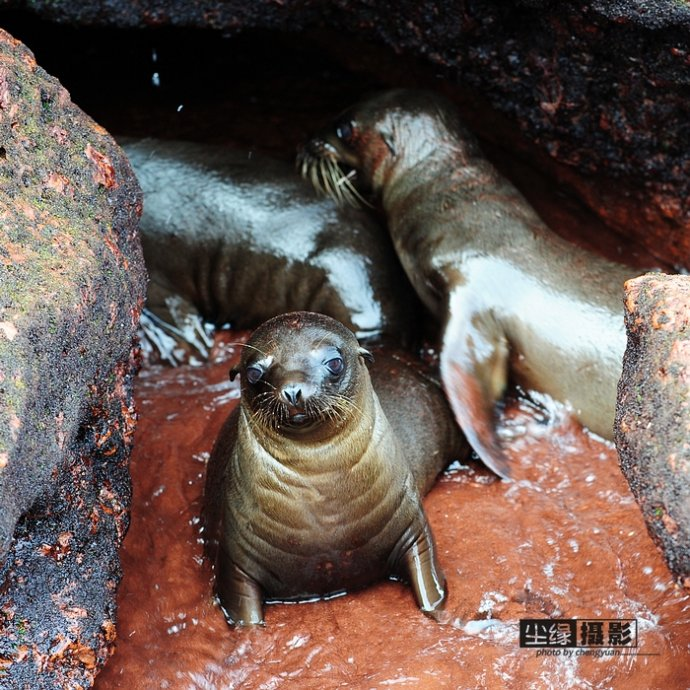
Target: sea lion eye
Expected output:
[254,374]
[335,366]
[345,130]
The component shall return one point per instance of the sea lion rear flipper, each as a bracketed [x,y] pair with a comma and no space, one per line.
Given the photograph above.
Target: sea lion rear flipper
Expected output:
[240,597]
[474,372]
[426,578]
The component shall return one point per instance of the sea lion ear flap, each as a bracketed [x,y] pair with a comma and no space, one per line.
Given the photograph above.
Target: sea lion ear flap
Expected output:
[388,141]
[233,373]
[365,354]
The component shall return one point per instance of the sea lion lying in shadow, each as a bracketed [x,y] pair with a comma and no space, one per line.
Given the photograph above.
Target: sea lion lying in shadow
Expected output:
[235,237]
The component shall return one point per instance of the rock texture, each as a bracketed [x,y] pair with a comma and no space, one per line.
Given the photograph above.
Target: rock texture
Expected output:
[600,86]
[71,289]
[653,417]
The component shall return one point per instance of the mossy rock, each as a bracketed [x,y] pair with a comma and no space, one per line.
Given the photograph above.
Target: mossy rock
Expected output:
[72,283]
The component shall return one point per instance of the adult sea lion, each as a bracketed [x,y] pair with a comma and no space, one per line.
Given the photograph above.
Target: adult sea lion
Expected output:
[511,294]
[316,478]
[236,237]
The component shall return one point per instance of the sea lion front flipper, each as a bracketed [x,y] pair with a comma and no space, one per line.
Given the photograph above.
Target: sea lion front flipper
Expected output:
[240,596]
[426,578]
[176,330]
[474,372]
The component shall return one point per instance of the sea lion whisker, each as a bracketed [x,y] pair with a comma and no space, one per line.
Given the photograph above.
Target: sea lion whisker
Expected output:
[359,199]
[312,174]
[313,169]
[305,169]
[338,414]
[261,406]
[267,410]
[331,168]
[343,190]
[340,183]
[314,410]
[354,195]
[308,172]
[345,405]
[345,179]
[348,197]
[344,184]
[239,344]
[268,416]
[275,407]
[319,175]
[315,174]
[303,166]
[255,418]
[327,414]
[323,173]
[330,180]
[264,398]
[322,341]
[326,176]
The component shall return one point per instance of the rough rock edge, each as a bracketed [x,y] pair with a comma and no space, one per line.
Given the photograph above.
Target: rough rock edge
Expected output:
[652,428]
[600,86]
[57,602]
[73,283]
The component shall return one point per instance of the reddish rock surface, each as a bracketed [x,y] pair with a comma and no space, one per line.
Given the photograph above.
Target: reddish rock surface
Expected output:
[71,286]
[566,542]
[653,416]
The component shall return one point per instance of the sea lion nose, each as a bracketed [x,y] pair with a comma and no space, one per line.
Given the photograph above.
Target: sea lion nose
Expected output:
[318,148]
[292,393]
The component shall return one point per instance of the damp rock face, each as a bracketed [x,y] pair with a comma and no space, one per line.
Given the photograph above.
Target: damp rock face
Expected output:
[653,416]
[601,87]
[71,289]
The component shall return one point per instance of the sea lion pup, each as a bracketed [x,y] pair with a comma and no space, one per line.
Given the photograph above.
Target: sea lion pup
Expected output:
[236,237]
[510,293]
[316,479]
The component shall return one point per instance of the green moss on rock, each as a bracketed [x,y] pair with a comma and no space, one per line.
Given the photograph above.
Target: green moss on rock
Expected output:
[72,284]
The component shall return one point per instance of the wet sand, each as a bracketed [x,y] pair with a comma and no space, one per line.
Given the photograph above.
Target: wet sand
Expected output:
[567,541]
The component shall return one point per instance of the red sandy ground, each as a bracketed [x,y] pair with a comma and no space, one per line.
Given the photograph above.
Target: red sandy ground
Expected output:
[567,541]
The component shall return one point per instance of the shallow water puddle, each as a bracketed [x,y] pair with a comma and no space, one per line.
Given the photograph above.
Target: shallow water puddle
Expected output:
[565,541]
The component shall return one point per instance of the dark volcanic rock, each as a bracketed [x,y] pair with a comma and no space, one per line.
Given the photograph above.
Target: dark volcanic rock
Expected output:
[216,14]
[653,416]
[601,86]
[71,289]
